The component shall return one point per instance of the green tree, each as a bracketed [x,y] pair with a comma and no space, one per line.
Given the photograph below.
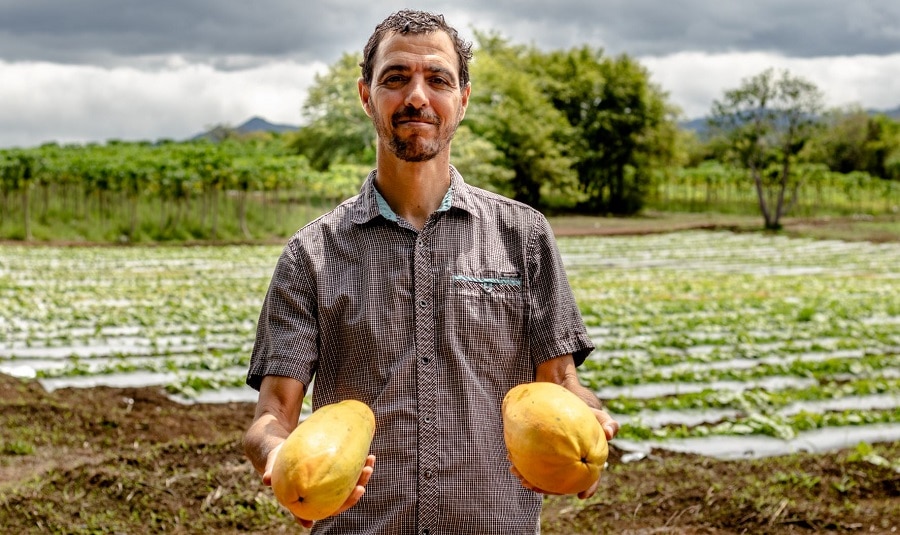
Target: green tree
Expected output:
[623,126]
[337,129]
[766,121]
[854,140]
[508,109]
[480,162]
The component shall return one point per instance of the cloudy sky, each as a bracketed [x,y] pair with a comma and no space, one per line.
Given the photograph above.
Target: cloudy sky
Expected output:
[94,70]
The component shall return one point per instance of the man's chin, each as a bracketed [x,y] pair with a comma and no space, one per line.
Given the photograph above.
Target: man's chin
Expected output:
[414,152]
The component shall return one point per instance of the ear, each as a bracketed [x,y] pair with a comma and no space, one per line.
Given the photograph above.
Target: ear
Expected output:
[464,102]
[364,94]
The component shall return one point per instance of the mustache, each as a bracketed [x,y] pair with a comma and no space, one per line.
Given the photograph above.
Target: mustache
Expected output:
[412,114]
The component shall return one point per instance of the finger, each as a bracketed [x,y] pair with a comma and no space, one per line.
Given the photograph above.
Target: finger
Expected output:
[367,471]
[608,423]
[308,524]
[270,463]
[611,430]
[354,497]
[585,494]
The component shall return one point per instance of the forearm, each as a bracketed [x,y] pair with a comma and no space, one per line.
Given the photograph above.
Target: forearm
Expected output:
[264,435]
[277,414]
[562,371]
[584,393]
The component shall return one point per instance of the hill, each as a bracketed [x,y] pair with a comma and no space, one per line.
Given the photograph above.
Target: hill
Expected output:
[250,126]
[893,114]
[700,126]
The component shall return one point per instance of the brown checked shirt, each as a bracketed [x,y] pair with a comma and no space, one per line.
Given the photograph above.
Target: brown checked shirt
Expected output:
[430,328]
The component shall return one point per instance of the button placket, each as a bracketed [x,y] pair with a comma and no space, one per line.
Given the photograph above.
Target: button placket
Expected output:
[429,443]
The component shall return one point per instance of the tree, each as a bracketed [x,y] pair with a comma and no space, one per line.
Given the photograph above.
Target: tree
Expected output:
[508,109]
[766,122]
[337,131]
[480,162]
[623,126]
[852,139]
[18,172]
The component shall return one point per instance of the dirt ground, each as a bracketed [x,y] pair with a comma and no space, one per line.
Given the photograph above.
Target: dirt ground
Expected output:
[108,460]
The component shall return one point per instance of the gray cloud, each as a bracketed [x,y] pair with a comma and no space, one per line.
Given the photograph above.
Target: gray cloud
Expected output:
[99,31]
[80,70]
[112,31]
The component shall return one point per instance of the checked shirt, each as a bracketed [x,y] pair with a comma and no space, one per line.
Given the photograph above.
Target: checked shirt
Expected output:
[430,328]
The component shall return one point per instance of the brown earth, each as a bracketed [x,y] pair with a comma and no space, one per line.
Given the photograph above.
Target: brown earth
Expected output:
[110,460]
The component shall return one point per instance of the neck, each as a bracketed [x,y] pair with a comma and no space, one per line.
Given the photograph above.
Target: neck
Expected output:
[413,190]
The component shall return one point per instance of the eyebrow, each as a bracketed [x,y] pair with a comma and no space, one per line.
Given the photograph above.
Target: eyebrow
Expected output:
[431,69]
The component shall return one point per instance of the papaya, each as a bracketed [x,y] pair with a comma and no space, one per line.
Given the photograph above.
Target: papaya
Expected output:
[553,438]
[321,460]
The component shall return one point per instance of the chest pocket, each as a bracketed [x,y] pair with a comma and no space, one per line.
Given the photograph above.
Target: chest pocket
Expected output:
[488,316]
[510,286]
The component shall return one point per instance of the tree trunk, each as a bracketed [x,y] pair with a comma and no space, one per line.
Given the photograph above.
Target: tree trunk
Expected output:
[132,230]
[761,195]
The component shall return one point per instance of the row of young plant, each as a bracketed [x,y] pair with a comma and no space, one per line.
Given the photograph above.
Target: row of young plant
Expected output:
[742,328]
[814,190]
[157,314]
[167,190]
[744,323]
[240,190]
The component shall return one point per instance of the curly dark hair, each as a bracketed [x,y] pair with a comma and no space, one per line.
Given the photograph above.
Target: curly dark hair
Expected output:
[415,22]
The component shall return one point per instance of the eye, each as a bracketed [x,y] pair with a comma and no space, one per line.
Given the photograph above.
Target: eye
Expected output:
[437,80]
[394,80]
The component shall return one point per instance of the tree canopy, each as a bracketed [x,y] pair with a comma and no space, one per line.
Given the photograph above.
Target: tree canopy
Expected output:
[767,121]
[573,129]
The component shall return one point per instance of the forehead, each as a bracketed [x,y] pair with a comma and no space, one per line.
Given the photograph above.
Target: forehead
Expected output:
[427,50]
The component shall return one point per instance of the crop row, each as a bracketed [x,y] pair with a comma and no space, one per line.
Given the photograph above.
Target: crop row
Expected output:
[697,333]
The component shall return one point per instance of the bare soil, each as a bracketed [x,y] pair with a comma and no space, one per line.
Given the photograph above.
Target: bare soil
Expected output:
[111,460]
[130,460]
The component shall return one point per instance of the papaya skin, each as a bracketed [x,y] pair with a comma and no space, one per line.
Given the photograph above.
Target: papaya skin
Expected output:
[319,464]
[555,441]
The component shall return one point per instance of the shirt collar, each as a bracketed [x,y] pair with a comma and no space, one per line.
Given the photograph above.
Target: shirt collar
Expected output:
[372,204]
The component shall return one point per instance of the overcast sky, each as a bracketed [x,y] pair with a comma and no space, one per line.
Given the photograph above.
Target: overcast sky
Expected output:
[94,70]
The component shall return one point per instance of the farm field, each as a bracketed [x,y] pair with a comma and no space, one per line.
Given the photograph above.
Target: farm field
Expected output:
[738,347]
[698,333]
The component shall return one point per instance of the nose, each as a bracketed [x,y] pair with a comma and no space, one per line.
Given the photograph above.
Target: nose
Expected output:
[416,95]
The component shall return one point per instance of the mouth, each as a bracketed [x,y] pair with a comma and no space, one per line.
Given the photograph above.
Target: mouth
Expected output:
[415,120]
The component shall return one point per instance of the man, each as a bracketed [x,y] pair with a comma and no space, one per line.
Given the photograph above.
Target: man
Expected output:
[428,300]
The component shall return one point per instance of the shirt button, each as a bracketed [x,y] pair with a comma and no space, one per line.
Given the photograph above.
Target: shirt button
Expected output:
[427,420]
[428,474]
[425,360]
[425,531]
[423,303]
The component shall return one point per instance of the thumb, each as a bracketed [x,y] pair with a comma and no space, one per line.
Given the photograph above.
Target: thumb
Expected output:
[270,463]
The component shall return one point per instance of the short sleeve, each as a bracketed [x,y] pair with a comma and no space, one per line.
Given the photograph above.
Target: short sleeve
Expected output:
[555,323]
[286,333]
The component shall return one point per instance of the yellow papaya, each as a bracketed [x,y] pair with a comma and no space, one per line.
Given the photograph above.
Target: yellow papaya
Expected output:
[553,438]
[320,462]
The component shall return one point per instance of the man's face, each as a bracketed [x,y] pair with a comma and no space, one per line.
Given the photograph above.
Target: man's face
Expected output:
[414,99]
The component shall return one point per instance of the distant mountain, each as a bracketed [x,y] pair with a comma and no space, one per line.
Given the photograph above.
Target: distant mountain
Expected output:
[701,126]
[893,114]
[252,125]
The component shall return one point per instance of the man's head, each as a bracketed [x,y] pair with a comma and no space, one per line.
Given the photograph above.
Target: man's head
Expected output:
[415,85]
[414,23]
